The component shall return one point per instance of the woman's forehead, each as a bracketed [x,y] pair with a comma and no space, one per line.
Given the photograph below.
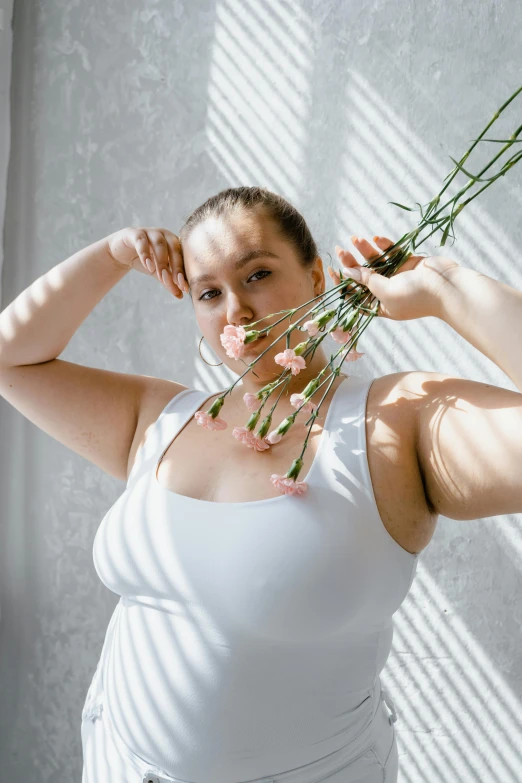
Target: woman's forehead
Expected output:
[221,240]
[217,228]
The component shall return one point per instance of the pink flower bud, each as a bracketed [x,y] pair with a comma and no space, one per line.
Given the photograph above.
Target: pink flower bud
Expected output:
[311,327]
[250,401]
[340,336]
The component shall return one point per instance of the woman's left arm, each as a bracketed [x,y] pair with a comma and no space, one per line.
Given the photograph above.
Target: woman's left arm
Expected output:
[488,314]
[468,435]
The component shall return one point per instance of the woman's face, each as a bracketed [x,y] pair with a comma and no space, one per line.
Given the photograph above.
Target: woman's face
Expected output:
[243,286]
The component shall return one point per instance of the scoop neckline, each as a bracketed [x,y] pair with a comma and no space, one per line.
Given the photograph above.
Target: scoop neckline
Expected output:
[277,498]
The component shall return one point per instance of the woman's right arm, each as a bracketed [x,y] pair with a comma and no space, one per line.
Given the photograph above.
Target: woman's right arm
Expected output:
[37,326]
[94,412]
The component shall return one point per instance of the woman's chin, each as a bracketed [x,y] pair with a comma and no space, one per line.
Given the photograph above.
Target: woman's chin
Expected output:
[264,366]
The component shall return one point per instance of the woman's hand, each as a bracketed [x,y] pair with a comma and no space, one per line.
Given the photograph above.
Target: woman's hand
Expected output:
[133,247]
[412,292]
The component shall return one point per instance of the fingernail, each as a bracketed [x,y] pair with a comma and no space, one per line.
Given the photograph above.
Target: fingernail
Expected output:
[164,276]
[150,265]
[355,273]
[376,239]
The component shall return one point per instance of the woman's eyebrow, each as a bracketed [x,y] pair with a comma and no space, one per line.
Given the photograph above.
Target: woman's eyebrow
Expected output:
[238,264]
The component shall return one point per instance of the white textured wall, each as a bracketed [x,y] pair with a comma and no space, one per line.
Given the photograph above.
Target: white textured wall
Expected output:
[134,113]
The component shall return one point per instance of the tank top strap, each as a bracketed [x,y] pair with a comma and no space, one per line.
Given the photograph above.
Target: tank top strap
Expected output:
[162,432]
[344,468]
[344,450]
[354,452]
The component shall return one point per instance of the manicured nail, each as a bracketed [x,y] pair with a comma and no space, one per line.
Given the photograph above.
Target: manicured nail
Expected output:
[150,265]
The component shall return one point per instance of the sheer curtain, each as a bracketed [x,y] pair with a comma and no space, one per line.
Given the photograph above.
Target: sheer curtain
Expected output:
[6,42]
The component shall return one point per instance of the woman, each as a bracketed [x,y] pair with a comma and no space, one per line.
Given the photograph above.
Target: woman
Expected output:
[253,626]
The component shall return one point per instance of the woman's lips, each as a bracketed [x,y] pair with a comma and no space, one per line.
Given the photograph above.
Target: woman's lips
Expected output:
[252,346]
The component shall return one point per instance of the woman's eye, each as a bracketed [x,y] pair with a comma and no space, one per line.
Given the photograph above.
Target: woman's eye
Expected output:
[261,272]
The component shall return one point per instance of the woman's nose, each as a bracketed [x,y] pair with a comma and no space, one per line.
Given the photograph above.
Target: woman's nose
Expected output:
[238,311]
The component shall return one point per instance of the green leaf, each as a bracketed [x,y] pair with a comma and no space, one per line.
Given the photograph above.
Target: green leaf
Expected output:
[408,209]
[472,176]
[501,141]
[445,235]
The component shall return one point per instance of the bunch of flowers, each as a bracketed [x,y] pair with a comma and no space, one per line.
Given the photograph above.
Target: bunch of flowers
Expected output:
[340,314]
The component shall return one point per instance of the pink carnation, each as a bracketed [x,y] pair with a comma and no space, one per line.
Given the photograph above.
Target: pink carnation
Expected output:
[242,435]
[352,356]
[259,444]
[288,359]
[251,401]
[248,438]
[233,341]
[311,327]
[273,437]
[206,421]
[339,336]
[288,486]
[297,399]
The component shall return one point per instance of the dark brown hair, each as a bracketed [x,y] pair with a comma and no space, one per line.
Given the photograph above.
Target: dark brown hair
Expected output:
[292,225]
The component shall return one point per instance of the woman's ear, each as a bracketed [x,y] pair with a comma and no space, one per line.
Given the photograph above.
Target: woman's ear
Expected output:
[318,278]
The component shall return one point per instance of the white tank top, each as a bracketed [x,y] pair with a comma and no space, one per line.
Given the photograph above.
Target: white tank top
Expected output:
[249,637]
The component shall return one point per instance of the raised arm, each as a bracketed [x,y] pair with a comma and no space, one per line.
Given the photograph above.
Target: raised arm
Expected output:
[94,412]
[469,434]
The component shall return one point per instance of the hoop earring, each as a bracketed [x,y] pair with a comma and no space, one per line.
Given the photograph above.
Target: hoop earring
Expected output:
[209,363]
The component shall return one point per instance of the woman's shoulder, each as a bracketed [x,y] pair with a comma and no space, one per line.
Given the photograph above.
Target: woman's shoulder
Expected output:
[399,388]
[157,394]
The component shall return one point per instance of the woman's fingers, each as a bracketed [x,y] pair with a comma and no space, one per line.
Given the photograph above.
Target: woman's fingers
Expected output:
[346,258]
[141,243]
[411,263]
[167,262]
[176,261]
[367,250]
[383,242]
[370,254]
[161,261]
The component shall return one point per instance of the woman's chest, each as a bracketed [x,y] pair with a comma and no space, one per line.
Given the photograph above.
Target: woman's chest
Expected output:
[215,467]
